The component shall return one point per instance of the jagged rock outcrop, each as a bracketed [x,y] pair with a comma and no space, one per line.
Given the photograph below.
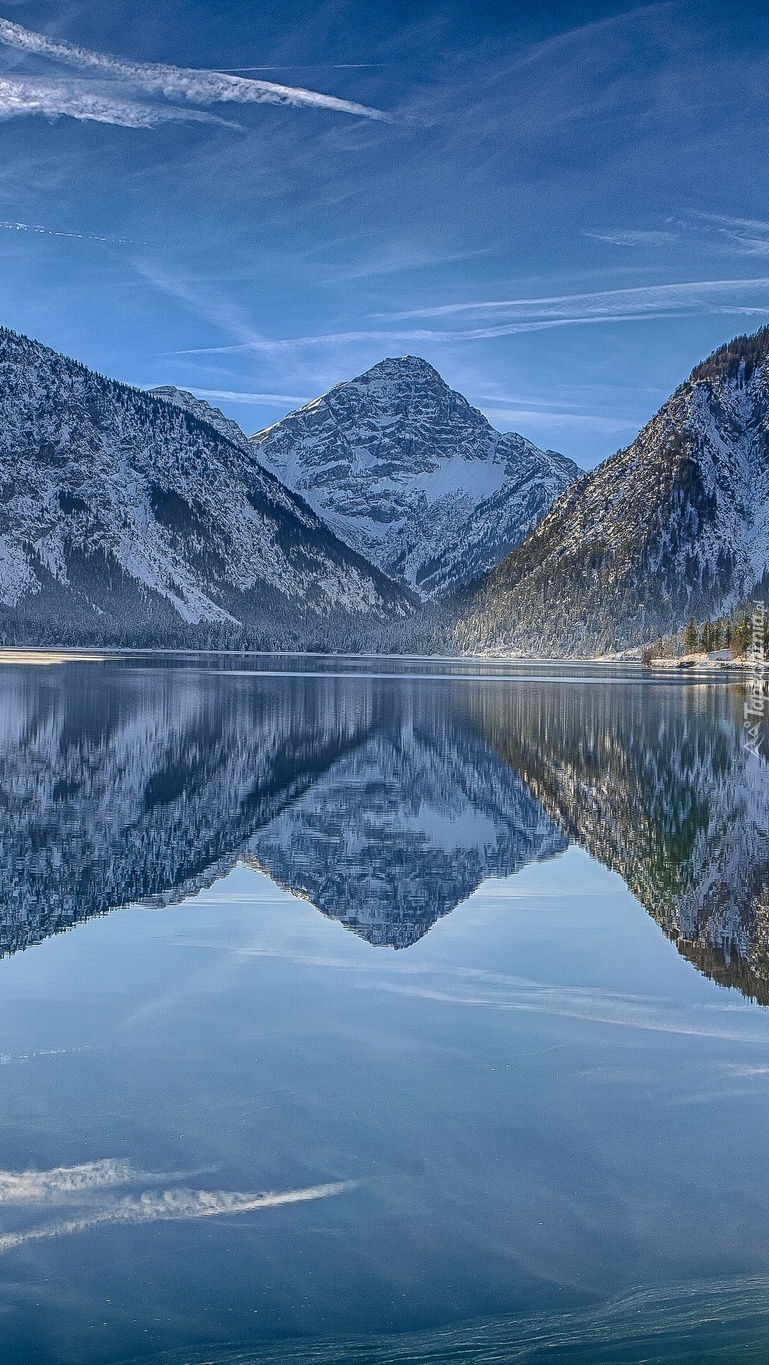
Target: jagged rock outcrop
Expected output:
[204,411]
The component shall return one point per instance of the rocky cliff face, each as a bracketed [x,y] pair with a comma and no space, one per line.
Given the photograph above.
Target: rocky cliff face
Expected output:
[121,512]
[405,471]
[203,411]
[675,526]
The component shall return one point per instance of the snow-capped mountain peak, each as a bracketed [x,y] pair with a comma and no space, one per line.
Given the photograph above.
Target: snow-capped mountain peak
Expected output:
[408,473]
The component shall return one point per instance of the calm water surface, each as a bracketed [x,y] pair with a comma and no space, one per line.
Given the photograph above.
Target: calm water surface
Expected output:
[408,1013]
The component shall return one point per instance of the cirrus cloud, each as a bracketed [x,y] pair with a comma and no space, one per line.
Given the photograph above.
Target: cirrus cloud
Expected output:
[20,95]
[161,80]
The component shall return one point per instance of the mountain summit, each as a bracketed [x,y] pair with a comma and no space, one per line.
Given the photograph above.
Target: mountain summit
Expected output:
[411,476]
[675,526]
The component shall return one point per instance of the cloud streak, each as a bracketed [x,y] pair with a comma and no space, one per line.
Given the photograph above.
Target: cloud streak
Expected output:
[87,1184]
[180,83]
[277,400]
[714,232]
[632,237]
[741,236]
[29,1187]
[68,1184]
[485,990]
[497,318]
[171,1205]
[23,95]
[609,304]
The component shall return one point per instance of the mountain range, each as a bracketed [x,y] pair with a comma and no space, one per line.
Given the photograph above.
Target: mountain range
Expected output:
[662,792]
[387,514]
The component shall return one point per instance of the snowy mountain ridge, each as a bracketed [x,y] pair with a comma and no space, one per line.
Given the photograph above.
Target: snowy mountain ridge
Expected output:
[121,511]
[407,473]
[204,411]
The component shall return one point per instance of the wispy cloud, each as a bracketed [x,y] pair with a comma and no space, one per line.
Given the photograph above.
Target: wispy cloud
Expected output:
[196,86]
[593,1006]
[71,1182]
[471,987]
[269,399]
[593,34]
[696,296]
[549,418]
[511,317]
[741,236]
[715,233]
[79,100]
[168,1205]
[195,295]
[632,237]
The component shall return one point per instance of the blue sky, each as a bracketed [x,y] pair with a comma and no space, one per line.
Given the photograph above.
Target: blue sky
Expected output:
[561,206]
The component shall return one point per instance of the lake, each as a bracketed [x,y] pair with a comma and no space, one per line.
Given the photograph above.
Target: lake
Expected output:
[373,1011]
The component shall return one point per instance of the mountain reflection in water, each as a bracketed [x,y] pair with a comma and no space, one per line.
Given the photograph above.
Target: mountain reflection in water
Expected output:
[383,801]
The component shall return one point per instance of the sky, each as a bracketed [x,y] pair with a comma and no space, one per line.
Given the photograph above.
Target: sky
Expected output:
[562,206]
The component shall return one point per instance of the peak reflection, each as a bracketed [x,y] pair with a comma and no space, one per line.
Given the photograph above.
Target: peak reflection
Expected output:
[383,802]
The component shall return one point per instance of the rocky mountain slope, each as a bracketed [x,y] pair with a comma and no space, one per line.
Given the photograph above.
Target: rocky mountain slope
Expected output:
[121,513]
[205,412]
[676,525]
[405,471]
[148,786]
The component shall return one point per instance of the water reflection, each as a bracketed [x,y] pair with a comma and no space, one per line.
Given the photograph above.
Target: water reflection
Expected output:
[383,801]
[656,786]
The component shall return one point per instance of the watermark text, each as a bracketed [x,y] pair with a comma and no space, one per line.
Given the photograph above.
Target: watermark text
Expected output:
[755,684]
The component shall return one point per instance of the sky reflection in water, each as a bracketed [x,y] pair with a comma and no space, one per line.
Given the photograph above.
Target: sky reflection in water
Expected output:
[233,1130]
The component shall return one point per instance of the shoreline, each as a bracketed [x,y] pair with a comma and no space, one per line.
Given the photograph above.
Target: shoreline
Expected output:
[58,654]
